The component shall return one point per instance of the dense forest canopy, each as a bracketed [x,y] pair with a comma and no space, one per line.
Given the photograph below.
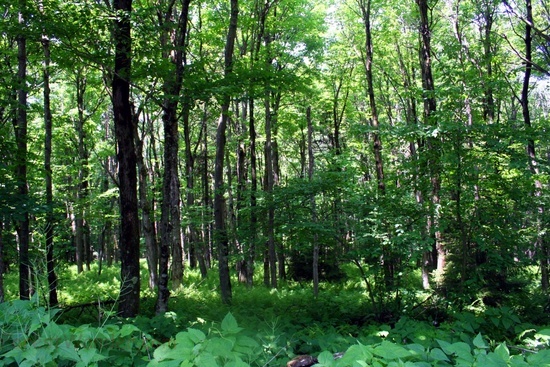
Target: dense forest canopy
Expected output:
[279,137]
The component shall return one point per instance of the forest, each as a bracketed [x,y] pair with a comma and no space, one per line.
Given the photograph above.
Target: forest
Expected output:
[274,182]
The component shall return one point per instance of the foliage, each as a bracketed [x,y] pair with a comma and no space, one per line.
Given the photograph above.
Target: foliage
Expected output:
[29,336]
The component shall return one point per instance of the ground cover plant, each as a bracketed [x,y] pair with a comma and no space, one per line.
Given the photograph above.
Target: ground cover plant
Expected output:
[262,327]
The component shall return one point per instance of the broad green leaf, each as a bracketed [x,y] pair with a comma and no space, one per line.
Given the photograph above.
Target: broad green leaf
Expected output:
[540,359]
[502,351]
[184,339]
[438,355]
[89,355]
[236,363]
[206,360]
[195,335]
[127,329]
[356,353]
[67,351]
[479,342]
[326,359]
[391,351]
[229,325]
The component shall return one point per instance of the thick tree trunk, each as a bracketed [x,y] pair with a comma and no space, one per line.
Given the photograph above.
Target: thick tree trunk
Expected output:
[20,127]
[50,222]
[220,233]
[126,156]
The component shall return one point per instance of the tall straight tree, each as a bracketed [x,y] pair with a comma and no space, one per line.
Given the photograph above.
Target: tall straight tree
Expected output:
[220,230]
[170,221]
[432,142]
[20,127]
[541,247]
[126,156]
[50,263]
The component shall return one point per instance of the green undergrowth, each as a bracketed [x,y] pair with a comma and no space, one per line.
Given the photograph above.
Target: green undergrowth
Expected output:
[263,327]
[30,336]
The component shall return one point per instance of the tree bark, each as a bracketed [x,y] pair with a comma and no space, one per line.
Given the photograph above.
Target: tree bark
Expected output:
[20,127]
[311,168]
[170,221]
[50,222]
[146,204]
[541,246]
[220,233]
[432,142]
[81,227]
[126,156]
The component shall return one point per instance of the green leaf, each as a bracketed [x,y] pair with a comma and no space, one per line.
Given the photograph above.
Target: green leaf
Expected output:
[236,363]
[127,329]
[229,325]
[502,351]
[206,360]
[356,353]
[438,355]
[479,342]
[195,335]
[541,359]
[326,359]
[89,355]
[67,351]
[391,351]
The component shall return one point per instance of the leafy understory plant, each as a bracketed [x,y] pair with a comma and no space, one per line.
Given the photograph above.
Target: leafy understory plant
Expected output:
[30,337]
[475,353]
[227,347]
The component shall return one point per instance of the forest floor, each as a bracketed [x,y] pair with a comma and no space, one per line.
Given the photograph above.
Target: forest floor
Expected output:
[290,321]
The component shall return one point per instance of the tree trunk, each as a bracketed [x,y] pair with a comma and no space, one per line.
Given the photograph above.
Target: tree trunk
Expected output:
[126,156]
[2,264]
[432,143]
[220,234]
[170,221]
[311,168]
[146,204]
[50,222]
[81,227]
[20,127]
[540,245]
[253,189]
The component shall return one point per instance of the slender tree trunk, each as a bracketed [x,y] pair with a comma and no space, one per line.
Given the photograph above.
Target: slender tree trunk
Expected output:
[311,168]
[220,234]
[126,156]
[191,234]
[170,221]
[205,258]
[432,143]
[81,228]
[271,251]
[412,118]
[146,204]
[50,222]
[540,245]
[253,190]
[20,127]
[2,264]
